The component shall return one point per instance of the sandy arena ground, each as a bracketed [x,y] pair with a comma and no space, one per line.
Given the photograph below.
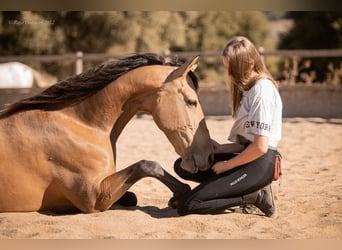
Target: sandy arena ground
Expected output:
[308,203]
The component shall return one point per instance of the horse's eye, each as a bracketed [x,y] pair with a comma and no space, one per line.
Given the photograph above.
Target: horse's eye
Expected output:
[191,102]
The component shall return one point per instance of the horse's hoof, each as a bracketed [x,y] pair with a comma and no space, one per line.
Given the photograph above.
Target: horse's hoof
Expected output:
[129,199]
[173,202]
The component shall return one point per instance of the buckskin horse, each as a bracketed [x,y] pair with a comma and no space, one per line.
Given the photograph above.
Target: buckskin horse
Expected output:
[57,149]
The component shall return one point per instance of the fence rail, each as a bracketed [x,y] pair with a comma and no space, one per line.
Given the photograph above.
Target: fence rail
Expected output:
[79,57]
[215,100]
[104,56]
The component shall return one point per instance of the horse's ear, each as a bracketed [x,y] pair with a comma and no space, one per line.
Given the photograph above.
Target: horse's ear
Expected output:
[183,70]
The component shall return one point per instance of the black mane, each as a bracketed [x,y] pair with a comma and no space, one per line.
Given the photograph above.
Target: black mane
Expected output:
[79,87]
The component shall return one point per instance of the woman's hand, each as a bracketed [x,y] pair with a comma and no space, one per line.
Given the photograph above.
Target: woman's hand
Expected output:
[255,150]
[221,166]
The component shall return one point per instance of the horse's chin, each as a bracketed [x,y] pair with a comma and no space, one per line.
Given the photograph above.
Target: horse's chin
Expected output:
[189,166]
[193,166]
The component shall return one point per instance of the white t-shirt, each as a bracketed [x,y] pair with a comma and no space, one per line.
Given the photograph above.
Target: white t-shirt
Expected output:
[260,113]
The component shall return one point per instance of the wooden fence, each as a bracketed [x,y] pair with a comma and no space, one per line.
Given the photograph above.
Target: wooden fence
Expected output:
[298,100]
[306,101]
[79,57]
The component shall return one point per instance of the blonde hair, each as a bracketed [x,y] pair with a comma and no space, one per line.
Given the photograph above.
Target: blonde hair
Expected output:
[242,58]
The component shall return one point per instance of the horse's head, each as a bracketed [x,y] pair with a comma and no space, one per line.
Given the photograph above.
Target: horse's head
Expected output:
[178,113]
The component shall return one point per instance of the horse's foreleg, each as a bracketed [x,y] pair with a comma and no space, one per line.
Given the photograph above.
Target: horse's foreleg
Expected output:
[115,185]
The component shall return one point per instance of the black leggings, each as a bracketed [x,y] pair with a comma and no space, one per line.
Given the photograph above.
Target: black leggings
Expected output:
[215,193]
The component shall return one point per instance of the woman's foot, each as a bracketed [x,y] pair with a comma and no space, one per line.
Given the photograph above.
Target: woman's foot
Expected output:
[262,199]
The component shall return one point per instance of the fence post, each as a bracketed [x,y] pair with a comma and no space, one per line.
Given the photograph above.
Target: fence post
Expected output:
[294,70]
[79,62]
[167,55]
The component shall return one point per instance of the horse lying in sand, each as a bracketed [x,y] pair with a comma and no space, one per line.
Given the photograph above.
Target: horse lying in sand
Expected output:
[57,149]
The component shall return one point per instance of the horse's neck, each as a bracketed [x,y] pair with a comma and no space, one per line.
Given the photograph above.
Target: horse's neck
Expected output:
[95,111]
[128,112]
[141,97]
[113,106]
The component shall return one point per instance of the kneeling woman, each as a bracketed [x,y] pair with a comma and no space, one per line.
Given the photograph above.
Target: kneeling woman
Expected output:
[243,170]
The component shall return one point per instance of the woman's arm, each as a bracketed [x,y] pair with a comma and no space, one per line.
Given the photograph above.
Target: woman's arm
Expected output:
[226,148]
[255,150]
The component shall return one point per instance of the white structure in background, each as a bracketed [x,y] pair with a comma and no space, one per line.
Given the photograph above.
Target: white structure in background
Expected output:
[19,75]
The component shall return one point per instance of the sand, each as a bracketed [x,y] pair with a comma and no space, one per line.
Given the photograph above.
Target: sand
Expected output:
[308,200]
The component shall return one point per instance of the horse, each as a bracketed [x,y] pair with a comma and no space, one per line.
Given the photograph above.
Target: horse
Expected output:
[57,148]
[19,75]
[15,75]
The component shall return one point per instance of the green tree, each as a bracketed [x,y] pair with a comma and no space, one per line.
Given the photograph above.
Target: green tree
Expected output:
[209,31]
[120,32]
[315,30]
[142,31]
[27,33]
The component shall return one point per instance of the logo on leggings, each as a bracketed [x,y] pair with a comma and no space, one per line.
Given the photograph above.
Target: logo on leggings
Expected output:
[238,179]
